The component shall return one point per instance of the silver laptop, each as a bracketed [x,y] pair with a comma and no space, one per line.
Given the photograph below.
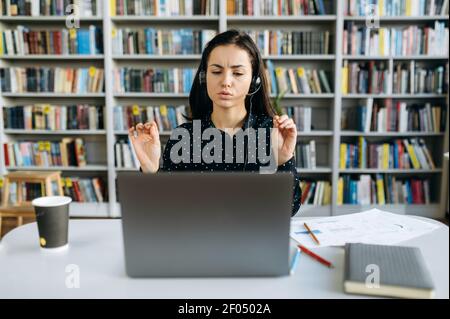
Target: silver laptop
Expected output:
[205,224]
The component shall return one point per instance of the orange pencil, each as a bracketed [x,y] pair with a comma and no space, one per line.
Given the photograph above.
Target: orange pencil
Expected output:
[312,234]
[316,257]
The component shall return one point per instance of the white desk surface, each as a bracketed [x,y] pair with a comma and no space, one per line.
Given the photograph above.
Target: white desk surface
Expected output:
[96,247]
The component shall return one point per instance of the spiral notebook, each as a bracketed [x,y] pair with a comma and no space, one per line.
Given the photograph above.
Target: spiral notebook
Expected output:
[391,271]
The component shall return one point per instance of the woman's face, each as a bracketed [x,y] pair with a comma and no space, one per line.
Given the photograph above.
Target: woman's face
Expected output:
[228,76]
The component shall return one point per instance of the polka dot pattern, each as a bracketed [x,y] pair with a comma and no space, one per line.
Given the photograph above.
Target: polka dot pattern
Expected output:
[251,164]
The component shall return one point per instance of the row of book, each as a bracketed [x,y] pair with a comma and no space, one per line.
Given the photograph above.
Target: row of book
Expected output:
[159,42]
[305,155]
[24,41]
[394,117]
[167,117]
[125,156]
[283,42]
[301,115]
[395,7]
[81,8]
[382,190]
[365,77]
[413,79]
[82,190]
[85,190]
[56,80]
[279,7]
[54,117]
[405,41]
[398,154]
[316,193]
[173,80]
[68,152]
[164,7]
[297,81]
[29,191]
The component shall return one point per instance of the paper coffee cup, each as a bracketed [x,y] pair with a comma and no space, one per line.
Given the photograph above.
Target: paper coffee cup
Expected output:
[52,217]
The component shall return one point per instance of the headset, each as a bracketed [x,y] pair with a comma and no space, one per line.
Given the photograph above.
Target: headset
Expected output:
[255,86]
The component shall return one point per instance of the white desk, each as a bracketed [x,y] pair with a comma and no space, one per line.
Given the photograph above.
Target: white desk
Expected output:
[96,247]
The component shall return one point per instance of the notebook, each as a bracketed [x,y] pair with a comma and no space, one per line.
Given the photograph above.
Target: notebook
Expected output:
[391,271]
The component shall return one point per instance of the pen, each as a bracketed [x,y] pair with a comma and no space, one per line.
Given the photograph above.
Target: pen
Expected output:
[316,257]
[312,234]
[295,261]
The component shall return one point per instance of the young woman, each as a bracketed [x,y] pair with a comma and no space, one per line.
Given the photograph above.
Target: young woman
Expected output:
[229,93]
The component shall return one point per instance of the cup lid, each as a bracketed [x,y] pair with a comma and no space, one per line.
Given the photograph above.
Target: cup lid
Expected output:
[51,201]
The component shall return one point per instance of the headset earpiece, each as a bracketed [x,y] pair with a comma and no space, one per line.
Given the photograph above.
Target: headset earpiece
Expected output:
[255,85]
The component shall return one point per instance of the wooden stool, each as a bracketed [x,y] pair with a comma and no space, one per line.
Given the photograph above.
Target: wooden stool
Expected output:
[23,208]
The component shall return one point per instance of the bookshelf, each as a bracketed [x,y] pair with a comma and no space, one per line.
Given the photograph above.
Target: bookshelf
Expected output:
[328,107]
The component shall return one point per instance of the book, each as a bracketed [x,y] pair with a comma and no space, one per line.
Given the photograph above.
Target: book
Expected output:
[54,117]
[301,80]
[158,42]
[55,80]
[381,189]
[315,192]
[164,7]
[397,154]
[81,8]
[302,116]
[365,78]
[279,7]
[306,154]
[167,117]
[67,152]
[394,271]
[396,8]
[173,80]
[389,116]
[124,155]
[285,42]
[24,41]
[404,41]
[85,189]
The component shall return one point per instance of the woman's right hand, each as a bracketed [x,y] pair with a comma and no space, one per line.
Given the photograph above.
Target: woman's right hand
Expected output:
[147,145]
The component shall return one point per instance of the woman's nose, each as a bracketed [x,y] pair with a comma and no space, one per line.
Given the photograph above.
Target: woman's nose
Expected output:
[226,80]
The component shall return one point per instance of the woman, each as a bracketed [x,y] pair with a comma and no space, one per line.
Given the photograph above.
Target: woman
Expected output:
[230,94]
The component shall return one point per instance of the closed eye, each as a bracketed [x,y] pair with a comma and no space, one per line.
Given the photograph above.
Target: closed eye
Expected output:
[218,72]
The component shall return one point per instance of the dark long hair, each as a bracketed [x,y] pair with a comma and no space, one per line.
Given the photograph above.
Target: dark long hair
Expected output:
[199,102]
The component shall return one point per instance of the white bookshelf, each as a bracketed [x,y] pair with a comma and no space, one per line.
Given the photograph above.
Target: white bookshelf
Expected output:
[333,103]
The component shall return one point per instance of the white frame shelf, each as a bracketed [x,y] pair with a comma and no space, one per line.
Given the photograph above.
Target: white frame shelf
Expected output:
[53,132]
[283,19]
[388,171]
[390,134]
[177,19]
[399,18]
[221,22]
[40,19]
[86,168]
[395,58]
[54,95]
[52,57]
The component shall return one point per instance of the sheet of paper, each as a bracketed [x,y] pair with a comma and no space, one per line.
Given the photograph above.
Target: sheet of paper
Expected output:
[370,227]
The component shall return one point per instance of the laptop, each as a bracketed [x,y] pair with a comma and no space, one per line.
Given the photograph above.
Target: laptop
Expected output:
[219,224]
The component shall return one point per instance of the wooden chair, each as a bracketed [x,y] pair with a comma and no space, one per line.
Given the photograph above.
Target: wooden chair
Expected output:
[22,208]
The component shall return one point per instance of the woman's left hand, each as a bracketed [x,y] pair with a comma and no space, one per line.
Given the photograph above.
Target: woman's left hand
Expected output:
[285,137]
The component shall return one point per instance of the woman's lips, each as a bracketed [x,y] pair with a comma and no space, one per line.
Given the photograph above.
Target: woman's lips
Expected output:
[225,95]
